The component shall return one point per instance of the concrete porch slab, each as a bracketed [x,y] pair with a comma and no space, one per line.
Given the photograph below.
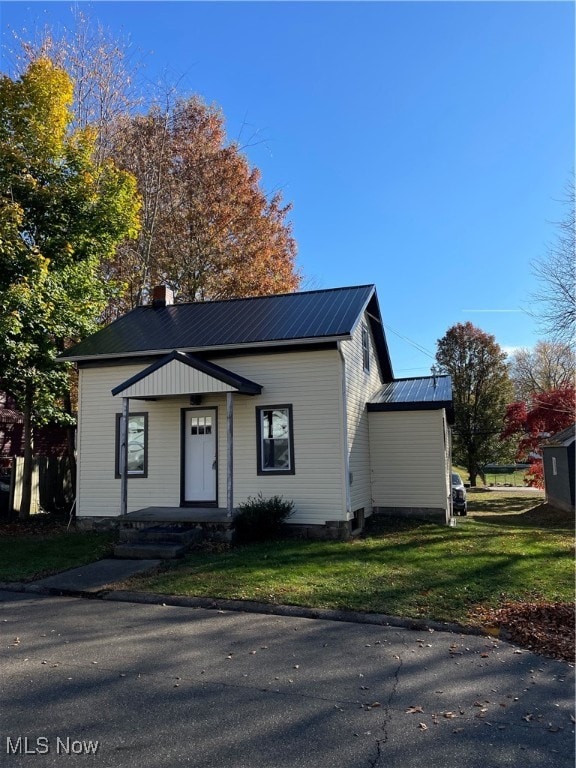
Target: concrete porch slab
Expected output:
[178,515]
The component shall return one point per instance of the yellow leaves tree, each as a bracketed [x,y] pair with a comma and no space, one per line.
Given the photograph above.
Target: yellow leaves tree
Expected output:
[61,217]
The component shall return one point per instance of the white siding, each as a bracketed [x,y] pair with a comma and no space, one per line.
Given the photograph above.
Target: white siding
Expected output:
[175,378]
[409,459]
[360,387]
[309,381]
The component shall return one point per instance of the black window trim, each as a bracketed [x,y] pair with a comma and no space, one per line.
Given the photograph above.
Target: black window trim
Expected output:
[117,474]
[260,470]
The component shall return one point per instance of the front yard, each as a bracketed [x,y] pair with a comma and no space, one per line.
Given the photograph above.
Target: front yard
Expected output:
[405,568]
[510,549]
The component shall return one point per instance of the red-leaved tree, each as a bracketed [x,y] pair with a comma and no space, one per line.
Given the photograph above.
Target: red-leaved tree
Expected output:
[546,414]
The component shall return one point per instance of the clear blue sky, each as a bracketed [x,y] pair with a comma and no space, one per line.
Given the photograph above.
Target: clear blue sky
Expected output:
[424,146]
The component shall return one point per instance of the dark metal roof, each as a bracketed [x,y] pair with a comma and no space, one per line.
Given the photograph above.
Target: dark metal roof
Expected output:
[417,394]
[217,325]
[245,386]
[565,437]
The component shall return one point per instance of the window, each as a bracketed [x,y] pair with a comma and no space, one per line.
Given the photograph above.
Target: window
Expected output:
[275,440]
[365,348]
[201,425]
[137,444]
[554,467]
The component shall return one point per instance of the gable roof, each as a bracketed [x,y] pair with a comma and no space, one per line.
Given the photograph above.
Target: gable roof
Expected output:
[292,318]
[423,393]
[192,375]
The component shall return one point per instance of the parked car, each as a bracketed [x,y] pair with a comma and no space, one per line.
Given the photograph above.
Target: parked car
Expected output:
[459,503]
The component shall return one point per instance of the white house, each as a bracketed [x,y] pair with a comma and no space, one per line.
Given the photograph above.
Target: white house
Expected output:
[289,395]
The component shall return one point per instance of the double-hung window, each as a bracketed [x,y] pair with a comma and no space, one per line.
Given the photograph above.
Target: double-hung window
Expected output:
[275,436]
[137,444]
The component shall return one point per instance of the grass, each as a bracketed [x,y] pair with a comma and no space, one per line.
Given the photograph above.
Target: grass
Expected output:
[510,547]
[514,478]
[37,552]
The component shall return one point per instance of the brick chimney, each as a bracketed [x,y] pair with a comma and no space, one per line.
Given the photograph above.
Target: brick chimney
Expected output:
[162,296]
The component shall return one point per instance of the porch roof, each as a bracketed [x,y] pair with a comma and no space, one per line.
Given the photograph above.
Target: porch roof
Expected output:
[183,374]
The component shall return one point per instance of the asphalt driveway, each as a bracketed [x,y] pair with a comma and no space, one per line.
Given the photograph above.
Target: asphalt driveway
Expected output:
[162,686]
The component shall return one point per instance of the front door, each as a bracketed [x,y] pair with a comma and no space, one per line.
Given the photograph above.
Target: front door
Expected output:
[200,456]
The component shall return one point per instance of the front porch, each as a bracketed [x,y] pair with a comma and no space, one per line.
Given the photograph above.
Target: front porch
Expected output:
[168,532]
[194,515]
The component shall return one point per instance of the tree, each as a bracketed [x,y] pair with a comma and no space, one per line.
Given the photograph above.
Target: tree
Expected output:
[209,231]
[61,215]
[548,366]
[556,297]
[101,68]
[481,390]
[544,415]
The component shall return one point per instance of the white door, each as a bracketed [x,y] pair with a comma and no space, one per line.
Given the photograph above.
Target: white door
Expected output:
[200,456]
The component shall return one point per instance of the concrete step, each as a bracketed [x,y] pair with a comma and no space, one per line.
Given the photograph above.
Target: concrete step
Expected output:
[164,534]
[139,550]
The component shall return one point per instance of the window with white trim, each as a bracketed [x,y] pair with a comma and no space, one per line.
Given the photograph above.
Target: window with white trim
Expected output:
[275,437]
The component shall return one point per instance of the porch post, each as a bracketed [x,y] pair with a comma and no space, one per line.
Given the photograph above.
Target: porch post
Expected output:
[123,457]
[230,453]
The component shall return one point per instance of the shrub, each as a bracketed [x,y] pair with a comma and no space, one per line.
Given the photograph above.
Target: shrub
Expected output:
[259,519]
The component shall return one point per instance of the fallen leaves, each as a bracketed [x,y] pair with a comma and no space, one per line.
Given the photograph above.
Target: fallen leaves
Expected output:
[546,628]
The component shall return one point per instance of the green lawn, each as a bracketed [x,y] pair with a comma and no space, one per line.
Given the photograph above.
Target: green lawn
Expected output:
[40,553]
[507,549]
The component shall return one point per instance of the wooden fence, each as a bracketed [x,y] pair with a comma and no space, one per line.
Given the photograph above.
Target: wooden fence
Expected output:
[51,485]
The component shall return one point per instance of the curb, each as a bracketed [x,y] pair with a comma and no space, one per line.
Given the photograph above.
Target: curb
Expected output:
[248,606]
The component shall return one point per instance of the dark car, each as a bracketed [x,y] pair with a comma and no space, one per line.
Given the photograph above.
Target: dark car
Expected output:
[459,503]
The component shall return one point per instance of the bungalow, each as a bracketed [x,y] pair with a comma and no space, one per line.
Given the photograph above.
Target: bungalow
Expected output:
[204,404]
[558,456]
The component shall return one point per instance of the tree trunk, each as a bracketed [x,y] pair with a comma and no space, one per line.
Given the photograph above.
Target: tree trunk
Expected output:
[28,458]
[70,448]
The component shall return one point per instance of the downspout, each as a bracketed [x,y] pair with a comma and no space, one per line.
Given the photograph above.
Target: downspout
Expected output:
[344,414]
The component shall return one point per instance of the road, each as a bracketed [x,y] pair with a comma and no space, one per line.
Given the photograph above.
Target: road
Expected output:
[118,685]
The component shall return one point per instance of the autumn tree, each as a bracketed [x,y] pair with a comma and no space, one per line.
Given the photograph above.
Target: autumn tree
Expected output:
[61,215]
[481,390]
[545,414]
[102,69]
[556,297]
[208,229]
[550,365]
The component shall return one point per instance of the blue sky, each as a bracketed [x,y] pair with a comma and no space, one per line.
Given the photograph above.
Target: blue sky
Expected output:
[425,146]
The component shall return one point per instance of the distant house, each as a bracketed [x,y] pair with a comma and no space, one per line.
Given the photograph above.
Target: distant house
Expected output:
[50,440]
[289,395]
[51,486]
[559,462]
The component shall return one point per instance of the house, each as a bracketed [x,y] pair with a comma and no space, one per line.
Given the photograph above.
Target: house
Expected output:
[558,464]
[51,477]
[289,395]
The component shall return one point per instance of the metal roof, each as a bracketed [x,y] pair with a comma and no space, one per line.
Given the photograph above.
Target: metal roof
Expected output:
[310,316]
[565,437]
[422,393]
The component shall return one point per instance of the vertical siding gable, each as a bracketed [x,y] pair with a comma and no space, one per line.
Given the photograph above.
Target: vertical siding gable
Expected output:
[176,378]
